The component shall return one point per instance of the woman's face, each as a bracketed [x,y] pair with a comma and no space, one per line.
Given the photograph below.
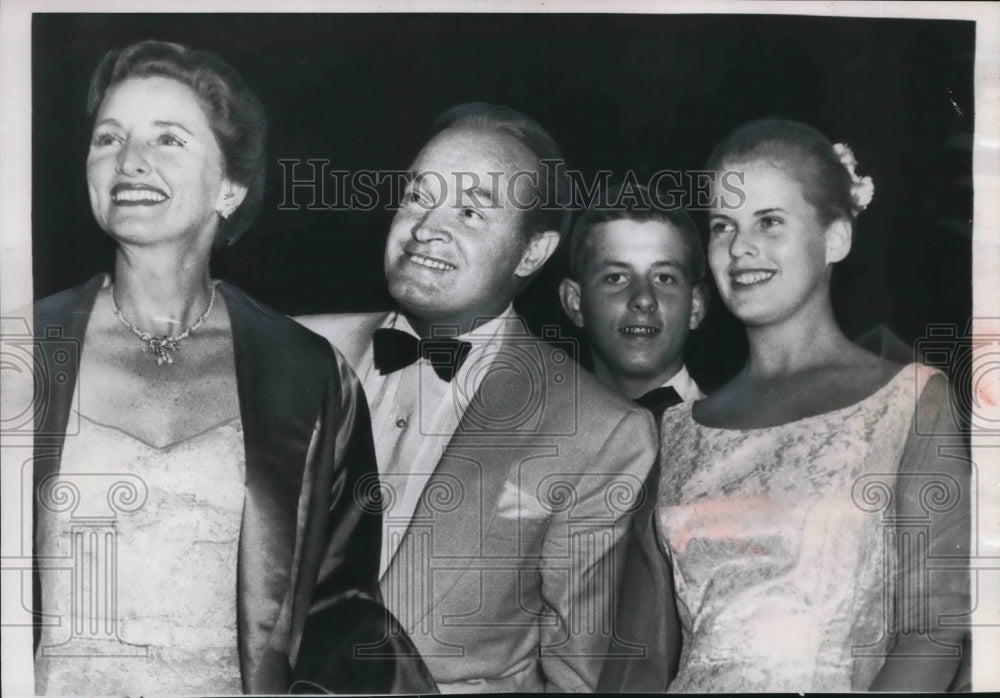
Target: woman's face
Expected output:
[771,255]
[155,171]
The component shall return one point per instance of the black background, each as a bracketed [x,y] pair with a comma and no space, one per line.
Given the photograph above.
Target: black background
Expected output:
[619,92]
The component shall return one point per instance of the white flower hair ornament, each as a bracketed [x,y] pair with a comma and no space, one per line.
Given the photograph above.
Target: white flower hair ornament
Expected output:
[862,188]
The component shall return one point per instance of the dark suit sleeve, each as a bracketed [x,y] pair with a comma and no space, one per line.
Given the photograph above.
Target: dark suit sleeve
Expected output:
[645,648]
[349,642]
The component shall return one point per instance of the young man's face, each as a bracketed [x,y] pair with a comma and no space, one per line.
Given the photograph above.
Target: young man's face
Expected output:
[636,300]
[453,256]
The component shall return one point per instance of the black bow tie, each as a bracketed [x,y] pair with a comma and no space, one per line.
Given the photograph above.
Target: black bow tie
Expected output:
[658,400]
[395,349]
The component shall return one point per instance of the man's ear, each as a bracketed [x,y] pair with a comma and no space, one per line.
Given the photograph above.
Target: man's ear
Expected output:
[538,250]
[838,240]
[699,304]
[569,296]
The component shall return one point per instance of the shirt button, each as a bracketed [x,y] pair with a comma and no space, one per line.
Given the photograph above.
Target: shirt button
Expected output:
[401,422]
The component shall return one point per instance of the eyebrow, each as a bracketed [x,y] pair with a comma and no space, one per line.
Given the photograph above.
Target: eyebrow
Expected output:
[175,124]
[658,263]
[479,191]
[161,124]
[418,177]
[773,209]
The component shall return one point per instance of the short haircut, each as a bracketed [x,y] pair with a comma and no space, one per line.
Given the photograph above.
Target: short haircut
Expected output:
[635,205]
[826,183]
[234,112]
[550,211]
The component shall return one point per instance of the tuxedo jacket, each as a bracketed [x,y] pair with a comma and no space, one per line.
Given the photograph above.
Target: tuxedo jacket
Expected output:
[506,573]
[308,543]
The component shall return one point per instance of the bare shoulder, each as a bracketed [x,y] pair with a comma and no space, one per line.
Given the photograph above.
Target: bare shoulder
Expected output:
[858,372]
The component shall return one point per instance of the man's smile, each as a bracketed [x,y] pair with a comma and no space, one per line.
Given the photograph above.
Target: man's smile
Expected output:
[743,278]
[429,262]
[639,330]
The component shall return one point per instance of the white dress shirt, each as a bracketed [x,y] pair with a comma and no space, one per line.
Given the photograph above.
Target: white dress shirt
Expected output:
[415,413]
[685,386]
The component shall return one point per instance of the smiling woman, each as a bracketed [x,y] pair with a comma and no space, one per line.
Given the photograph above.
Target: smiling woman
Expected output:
[154,166]
[789,497]
[242,470]
[230,114]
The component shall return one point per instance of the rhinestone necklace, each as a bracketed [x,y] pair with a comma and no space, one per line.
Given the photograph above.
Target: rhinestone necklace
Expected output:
[160,347]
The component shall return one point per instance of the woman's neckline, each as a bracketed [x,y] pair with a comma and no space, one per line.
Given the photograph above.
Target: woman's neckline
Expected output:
[173,445]
[826,413]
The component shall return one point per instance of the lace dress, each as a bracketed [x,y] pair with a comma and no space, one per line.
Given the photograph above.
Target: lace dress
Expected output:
[787,542]
[139,552]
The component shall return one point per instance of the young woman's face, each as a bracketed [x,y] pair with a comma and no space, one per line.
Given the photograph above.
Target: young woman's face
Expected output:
[771,255]
[154,170]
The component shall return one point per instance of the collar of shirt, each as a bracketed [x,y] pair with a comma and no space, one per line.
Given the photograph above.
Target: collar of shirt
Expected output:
[485,340]
[413,402]
[485,334]
[685,386]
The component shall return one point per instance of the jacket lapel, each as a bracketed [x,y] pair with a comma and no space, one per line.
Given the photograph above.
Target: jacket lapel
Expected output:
[60,324]
[459,502]
[279,413]
[352,336]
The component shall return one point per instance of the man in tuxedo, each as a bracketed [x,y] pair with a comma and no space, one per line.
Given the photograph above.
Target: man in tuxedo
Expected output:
[509,478]
[636,289]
